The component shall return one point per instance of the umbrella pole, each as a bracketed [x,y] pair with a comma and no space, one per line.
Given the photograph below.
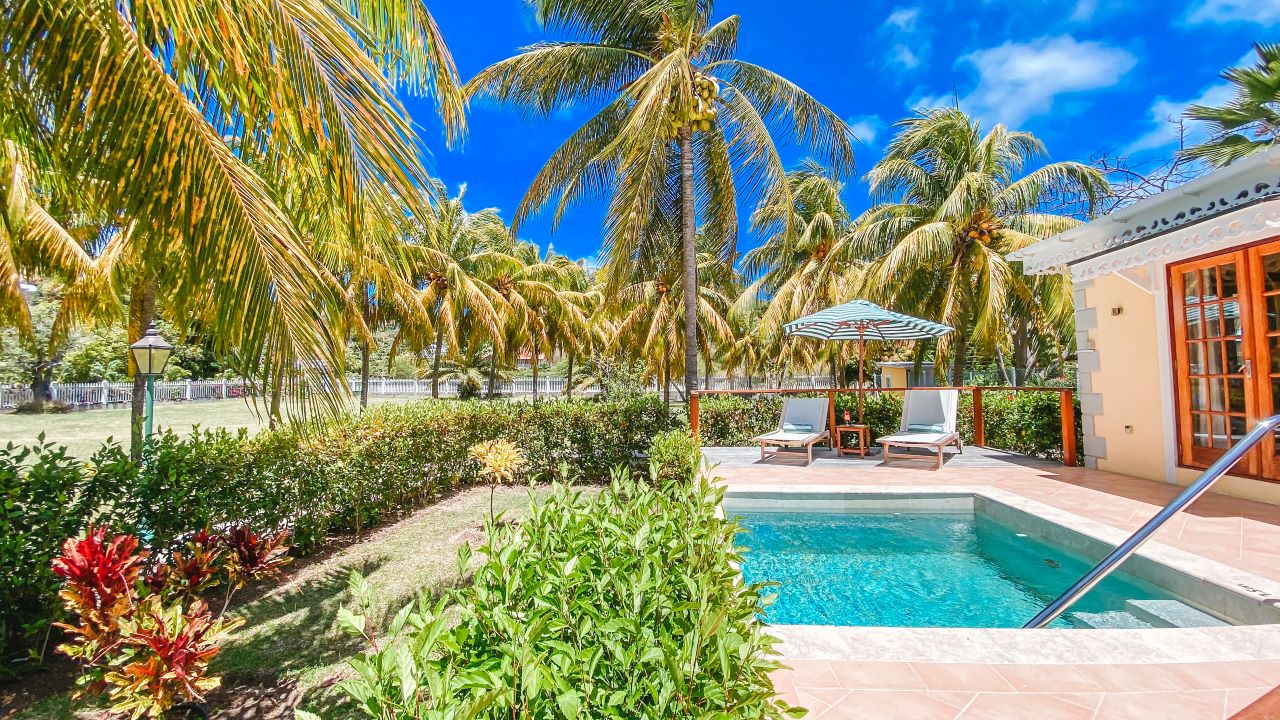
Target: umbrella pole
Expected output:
[861,358]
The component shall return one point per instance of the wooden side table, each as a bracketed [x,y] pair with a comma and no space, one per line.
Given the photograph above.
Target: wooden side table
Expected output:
[860,432]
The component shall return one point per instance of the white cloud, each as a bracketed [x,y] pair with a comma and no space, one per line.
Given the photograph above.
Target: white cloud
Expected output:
[1162,133]
[908,42]
[904,57]
[1084,10]
[1017,81]
[1261,12]
[903,19]
[866,128]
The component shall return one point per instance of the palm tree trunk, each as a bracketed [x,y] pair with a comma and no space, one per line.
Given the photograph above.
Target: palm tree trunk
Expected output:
[364,375]
[706,375]
[365,348]
[568,383]
[493,372]
[277,387]
[142,312]
[435,364]
[960,352]
[688,239]
[1004,369]
[535,368]
[666,380]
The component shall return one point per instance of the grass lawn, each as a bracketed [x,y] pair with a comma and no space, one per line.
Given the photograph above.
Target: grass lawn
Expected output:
[290,651]
[84,431]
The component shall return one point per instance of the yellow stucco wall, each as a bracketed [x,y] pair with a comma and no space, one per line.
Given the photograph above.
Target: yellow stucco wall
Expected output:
[895,376]
[1128,379]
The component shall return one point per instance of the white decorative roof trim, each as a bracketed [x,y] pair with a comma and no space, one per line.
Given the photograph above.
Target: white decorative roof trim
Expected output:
[1241,227]
[1252,182]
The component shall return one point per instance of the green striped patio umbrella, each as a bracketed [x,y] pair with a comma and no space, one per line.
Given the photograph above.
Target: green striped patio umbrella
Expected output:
[863,320]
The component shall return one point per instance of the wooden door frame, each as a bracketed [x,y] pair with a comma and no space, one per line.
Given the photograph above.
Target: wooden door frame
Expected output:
[1260,464]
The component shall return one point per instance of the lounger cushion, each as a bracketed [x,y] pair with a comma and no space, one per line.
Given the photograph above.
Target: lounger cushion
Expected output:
[931,428]
[797,427]
[788,438]
[922,438]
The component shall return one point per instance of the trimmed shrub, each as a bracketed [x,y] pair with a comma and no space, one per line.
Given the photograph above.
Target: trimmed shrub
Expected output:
[625,604]
[674,454]
[346,476]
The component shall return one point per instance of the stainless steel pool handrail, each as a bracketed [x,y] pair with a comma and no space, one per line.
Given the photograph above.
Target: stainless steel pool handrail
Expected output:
[1135,541]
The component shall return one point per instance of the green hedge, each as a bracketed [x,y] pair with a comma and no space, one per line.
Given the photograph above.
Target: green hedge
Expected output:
[1028,423]
[622,604]
[353,473]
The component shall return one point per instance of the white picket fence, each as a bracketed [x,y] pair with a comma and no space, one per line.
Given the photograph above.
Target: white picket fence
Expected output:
[112,394]
[115,394]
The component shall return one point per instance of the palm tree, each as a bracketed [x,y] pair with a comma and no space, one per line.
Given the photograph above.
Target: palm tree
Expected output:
[1251,120]
[176,121]
[808,264]
[32,241]
[456,251]
[538,298]
[650,315]
[952,203]
[684,126]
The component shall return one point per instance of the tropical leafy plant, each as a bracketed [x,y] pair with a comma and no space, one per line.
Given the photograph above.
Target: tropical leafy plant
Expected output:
[201,165]
[1250,121]
[952,202]
[624,604]
[144,652]
[682,126]
[501,462]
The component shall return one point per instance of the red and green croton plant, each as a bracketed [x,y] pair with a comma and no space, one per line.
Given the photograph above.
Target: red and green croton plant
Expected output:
[143,633]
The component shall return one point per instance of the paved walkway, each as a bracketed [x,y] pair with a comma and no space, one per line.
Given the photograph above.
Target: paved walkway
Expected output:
[1239,533]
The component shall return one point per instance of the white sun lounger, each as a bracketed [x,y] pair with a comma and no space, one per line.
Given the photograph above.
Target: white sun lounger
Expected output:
[928,421]
[798,411]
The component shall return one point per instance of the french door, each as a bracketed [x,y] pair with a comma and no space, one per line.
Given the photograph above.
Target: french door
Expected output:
[1226,337]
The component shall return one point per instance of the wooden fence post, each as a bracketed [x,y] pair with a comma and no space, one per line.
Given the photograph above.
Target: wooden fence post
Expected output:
[1068,406]
[979,422]
[693,413]
[831,419]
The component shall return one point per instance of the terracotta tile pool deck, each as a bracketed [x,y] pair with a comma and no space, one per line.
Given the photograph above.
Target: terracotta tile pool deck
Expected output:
[1033,682]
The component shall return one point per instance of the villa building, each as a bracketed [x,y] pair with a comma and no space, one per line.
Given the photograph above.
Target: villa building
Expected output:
[1178,326]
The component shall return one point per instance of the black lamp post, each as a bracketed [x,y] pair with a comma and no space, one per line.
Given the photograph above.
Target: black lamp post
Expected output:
[150,355]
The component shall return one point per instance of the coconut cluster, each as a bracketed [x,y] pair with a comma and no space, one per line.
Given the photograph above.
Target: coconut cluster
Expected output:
[701,113]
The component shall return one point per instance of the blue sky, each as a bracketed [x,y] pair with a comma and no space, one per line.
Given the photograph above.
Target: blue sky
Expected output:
[1090,77]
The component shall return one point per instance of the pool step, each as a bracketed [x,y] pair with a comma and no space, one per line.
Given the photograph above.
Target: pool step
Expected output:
[1112,620]
[1171,613]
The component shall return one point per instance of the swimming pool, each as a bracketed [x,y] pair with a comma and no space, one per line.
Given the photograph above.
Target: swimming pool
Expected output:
[911,563]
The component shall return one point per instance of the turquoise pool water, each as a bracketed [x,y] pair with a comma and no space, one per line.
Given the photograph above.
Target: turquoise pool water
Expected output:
[916,570]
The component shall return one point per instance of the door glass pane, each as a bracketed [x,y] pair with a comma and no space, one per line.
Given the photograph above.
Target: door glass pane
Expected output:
[1231,316]
[1209,284]
[1235,394]
[1213,351]
[1200,430]
[1195,358]
[1229,285]
[1191,287]
[1213,321]
[1271,271]
[1234,360]
[1193,323]
[1273,349]
[1273,313]
[1217,395]
[1219,431]
[1239,428]
[1200,393]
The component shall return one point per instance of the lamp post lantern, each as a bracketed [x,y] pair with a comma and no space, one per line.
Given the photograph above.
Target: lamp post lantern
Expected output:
[150,355]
